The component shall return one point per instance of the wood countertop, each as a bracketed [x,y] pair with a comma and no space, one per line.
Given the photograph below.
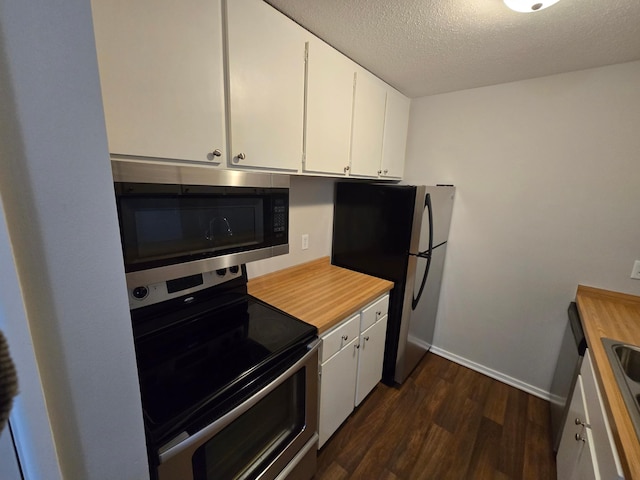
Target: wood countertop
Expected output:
[317,292]
[616,316]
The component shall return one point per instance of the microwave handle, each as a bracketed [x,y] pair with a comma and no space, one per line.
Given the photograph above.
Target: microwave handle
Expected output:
[172,448]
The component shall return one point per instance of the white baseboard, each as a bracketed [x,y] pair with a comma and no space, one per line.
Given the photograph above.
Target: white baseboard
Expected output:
[501,377]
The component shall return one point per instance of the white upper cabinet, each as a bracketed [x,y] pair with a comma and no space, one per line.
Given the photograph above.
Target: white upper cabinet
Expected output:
[162,79]
[266,71]
[329,107]
[396,126]
[289,102]
[368,124]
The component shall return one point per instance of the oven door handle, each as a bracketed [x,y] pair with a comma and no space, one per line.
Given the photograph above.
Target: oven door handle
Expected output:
[172,448]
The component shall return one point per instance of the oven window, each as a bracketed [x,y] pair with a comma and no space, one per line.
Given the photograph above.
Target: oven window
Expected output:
[245,448]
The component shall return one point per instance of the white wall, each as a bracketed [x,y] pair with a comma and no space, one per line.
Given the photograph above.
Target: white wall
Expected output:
[311,212]
[548,197]
[57,193]
[29,417]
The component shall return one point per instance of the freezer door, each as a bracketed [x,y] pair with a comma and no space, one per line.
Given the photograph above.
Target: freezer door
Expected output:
[441,208]
[373,226]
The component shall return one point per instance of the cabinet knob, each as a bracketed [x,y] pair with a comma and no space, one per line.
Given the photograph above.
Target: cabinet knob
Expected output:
[214,154]
[378,313]
[577,421]
[357,345]
[580,438]
[347,168]
[241,156]
[386,171]
[379,172]
[366,339]
[345,337]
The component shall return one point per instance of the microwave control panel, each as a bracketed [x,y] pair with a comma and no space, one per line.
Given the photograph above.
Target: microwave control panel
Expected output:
[279,216]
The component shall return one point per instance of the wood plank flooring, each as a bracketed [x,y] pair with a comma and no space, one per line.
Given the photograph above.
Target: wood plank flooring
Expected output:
[445,422]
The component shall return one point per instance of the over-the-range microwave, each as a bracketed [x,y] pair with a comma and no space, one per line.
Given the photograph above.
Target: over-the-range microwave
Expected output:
[182,220]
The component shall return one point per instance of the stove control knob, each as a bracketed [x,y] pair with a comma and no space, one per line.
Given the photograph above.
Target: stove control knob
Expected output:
[139,293]
[221,272]
[234,269]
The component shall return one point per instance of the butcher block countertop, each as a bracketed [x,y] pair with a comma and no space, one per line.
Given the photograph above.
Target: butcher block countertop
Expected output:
[616,316]
[317,292]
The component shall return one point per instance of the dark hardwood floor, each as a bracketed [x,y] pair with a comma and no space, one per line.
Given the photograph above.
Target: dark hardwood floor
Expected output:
[445,422]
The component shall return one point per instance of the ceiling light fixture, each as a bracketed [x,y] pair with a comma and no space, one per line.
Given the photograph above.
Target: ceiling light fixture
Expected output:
[529,5]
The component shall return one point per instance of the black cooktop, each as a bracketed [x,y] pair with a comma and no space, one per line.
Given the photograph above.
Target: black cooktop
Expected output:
[195,361]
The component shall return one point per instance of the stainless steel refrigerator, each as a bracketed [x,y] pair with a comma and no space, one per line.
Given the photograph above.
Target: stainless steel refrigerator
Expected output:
[399,233]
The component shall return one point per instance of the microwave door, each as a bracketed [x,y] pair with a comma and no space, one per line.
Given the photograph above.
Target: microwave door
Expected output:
[171,229]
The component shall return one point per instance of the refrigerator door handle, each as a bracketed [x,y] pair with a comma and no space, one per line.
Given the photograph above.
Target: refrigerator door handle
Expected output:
[426,254]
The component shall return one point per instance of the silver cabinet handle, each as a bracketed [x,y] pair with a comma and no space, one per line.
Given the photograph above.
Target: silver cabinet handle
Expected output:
[241,156]
[580,438]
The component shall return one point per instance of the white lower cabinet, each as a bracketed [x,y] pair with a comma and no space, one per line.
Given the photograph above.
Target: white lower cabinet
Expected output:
[370,356]
[337,378]
[574,459]
[350,365]
[587,449]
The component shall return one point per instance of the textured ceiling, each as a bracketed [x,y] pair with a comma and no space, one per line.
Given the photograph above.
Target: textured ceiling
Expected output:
[425,47]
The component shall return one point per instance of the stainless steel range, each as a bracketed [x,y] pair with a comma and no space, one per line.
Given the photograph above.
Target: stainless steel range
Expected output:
[229,383]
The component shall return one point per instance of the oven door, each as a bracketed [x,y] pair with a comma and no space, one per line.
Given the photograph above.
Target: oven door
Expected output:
[271,435]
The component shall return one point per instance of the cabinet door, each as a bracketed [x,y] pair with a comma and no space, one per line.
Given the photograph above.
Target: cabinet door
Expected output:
[162,79]
[329,109]
[370,357]
[603,442]
[337,378]
[396,126]
[586,468]
[575,459]
[368,125]
[266,86]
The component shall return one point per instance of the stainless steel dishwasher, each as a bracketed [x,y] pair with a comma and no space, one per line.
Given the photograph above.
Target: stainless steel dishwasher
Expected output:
[566,373]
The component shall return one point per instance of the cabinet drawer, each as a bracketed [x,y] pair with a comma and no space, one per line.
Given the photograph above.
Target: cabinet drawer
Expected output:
[374,312]
[339,337]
